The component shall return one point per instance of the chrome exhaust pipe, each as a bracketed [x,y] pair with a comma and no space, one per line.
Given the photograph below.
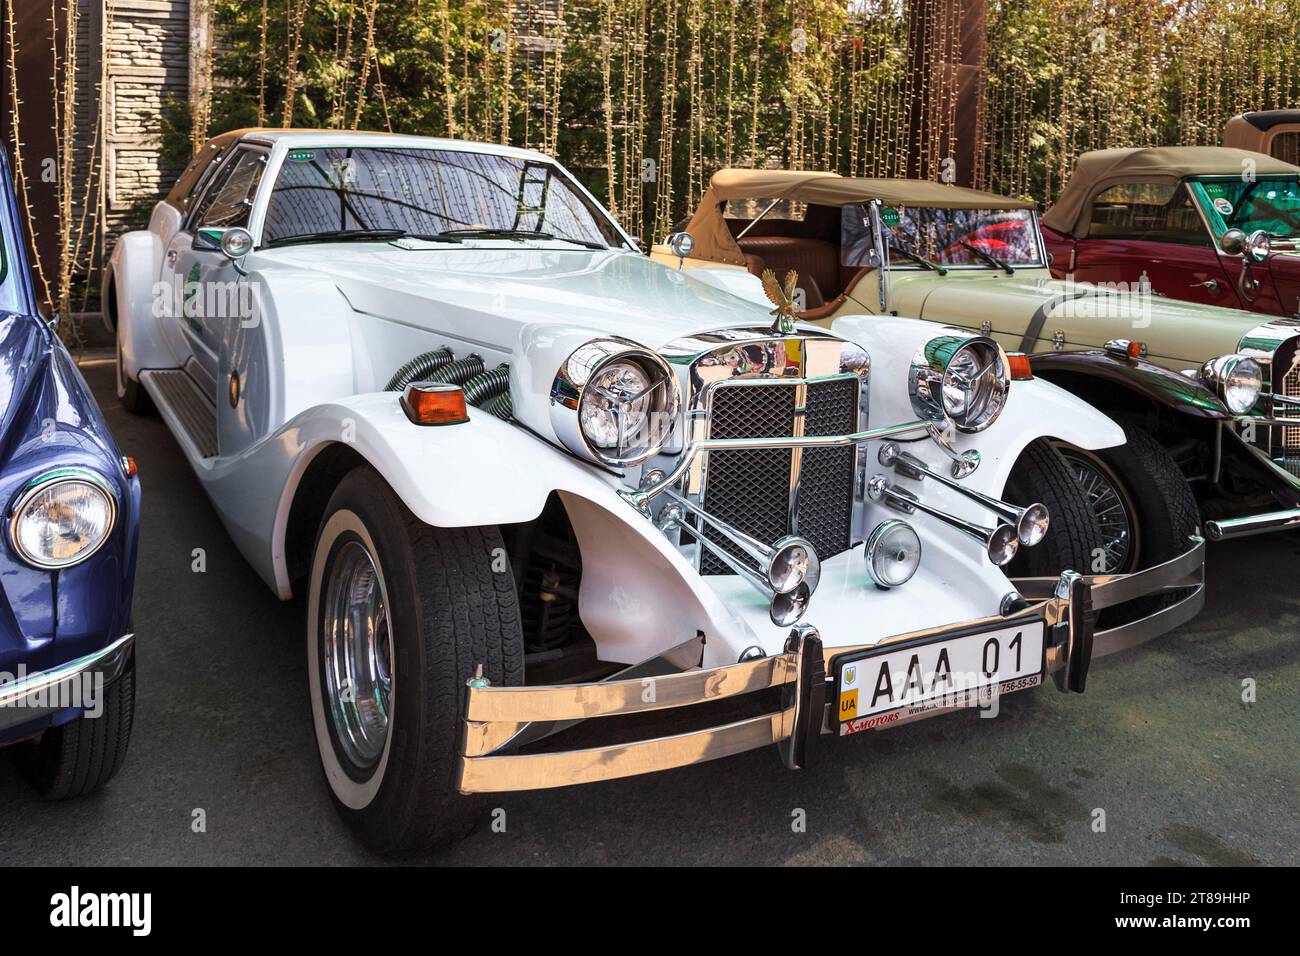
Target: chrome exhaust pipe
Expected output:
[1001,542]
[1031,523]
[1227,528]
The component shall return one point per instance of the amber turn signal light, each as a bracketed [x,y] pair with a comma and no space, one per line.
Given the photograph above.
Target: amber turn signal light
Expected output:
[1019,367]
[434,403]
[129,467]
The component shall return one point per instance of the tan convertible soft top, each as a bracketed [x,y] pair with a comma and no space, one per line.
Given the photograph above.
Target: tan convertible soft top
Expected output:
[1101,168]
[714,242]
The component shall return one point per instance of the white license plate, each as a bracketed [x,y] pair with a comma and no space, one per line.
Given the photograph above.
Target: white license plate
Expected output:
[877,688]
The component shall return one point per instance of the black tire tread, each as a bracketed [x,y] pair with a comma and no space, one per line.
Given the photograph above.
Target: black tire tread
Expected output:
[467,615]
[81,756]
[1042,474]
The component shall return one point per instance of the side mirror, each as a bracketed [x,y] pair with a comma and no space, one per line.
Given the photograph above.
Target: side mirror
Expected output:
[233,243]
[1258,245]
[1233,242]
[681,244]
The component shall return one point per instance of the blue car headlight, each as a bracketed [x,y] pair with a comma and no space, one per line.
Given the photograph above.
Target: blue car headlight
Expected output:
[62,517]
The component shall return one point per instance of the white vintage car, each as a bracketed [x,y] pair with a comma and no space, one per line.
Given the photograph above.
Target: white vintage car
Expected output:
[528,477]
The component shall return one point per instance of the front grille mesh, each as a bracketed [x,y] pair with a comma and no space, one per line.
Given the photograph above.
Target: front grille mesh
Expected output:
[751,489]
[1290,387]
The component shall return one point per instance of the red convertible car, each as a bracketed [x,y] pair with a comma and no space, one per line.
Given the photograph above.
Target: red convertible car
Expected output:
[1207,224]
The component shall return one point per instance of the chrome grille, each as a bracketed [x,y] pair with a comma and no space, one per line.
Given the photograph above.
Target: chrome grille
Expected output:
[1290,387]
[751,489]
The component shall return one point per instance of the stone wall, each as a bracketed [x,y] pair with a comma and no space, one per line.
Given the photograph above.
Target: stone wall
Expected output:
[148,63]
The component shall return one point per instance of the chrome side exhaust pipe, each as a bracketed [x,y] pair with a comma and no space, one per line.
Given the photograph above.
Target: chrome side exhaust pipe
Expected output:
[1001,542]
[1225,529]
[1031,523]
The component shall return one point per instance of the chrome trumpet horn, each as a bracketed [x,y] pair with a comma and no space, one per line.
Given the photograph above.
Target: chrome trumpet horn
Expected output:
[1031,523]
[1001,543]
[786,572]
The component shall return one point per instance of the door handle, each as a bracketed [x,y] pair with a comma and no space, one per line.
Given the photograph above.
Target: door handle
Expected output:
[1211,284]
[171,257]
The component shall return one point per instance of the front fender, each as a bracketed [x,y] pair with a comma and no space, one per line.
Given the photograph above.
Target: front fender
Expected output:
[1034,409]
[129,277]
[484,472]
[1094,373]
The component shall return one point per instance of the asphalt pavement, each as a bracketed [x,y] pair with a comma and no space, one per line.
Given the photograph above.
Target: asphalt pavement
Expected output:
[1161,762]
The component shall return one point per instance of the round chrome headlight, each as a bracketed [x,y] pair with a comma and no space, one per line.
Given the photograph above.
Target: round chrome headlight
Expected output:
[62,518]
[1236,379]
[615,402]
[961,378]
[893,553]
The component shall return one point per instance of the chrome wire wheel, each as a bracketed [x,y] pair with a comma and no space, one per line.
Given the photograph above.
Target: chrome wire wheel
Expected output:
[357,656]
[1112,506]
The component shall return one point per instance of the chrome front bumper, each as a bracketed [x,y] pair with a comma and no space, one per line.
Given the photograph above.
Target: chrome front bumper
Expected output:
[38,695]
[501,720]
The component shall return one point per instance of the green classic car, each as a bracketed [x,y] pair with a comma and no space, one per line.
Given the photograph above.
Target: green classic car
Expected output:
[1208,397]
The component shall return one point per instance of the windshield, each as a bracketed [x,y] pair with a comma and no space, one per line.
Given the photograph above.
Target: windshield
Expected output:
[428,192]
[945,237]
[1269,204]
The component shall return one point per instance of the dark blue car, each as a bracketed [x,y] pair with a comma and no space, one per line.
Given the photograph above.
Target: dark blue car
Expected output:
[67,551]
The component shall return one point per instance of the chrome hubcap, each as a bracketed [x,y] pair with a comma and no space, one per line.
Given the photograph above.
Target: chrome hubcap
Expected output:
[357,649]
[1109,506]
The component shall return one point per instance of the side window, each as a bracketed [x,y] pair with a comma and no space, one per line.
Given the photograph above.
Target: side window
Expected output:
[229,198]
[1152,212]
[1286,147]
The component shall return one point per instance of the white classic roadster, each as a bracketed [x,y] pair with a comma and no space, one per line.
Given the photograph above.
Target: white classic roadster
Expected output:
[529,478]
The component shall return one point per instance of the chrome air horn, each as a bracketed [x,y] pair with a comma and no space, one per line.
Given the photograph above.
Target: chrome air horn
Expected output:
[1000,542]
[786,572]
[1031,523]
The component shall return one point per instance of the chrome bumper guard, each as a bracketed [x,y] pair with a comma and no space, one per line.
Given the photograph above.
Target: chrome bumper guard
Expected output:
[20,700]
[499,720]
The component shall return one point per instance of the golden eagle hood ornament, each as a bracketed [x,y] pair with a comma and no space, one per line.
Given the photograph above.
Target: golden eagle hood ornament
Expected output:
[782,298]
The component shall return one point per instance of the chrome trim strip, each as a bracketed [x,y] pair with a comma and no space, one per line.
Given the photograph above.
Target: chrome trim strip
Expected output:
[110,660]
[544,771]
[1187,570]
[642,496]
[580,701]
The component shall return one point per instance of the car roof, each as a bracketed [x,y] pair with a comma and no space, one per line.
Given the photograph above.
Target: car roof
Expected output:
[1101,168]
[714,242]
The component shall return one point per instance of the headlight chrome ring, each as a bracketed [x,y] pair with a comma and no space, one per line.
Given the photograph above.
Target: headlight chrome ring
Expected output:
[98,527]
[615,402]
[961,378]
[1236,379]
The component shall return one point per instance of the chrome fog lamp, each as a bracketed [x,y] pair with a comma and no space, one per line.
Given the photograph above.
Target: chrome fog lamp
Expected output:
[1032,526]
[1236,379]
[793,563]
[788,608]
[1003,544]
[893,553]
[961,378]
[615,402]
[62,518]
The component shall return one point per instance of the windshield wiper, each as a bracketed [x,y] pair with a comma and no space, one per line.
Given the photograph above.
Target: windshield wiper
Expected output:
[517,234]
[994,261]
[361,235]
[340,235]
[918,259]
